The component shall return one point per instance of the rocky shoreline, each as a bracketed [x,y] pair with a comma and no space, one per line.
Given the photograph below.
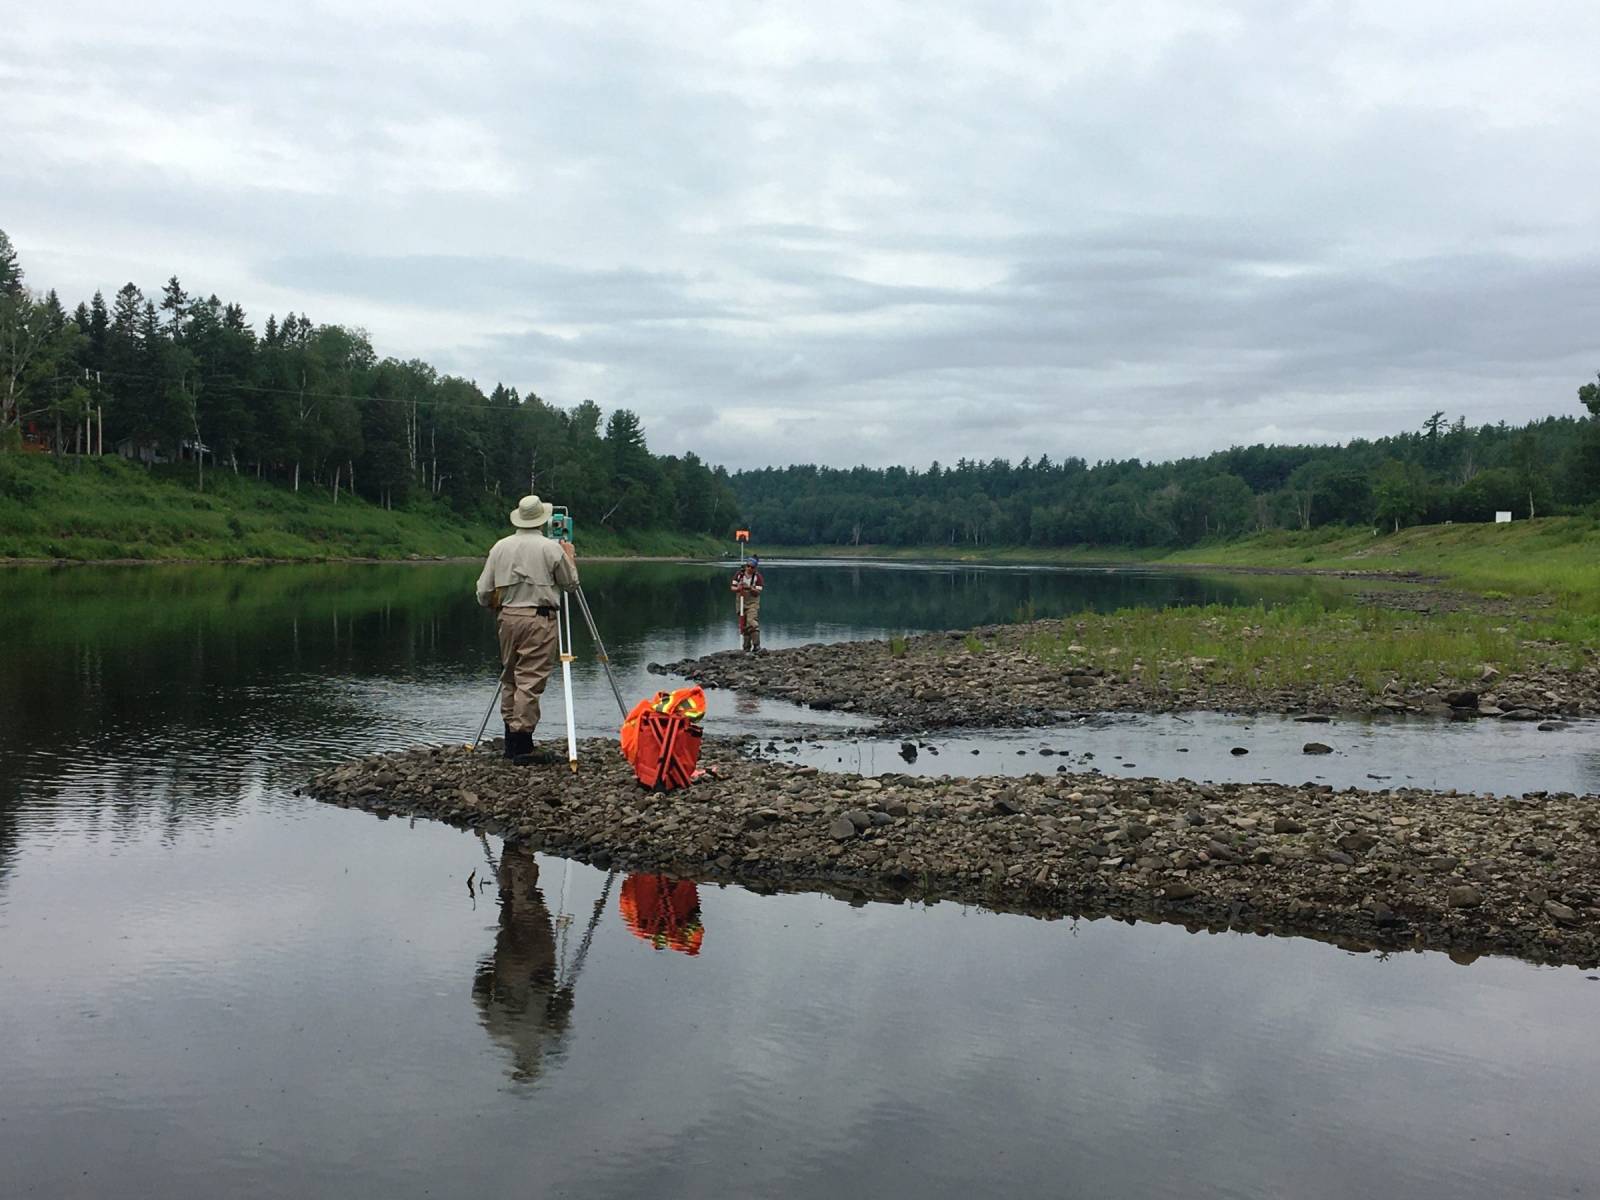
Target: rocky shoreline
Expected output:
[990,678]
[1387,870]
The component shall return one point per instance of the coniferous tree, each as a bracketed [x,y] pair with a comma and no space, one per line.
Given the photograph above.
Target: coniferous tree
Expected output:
[11,280]
[175,304]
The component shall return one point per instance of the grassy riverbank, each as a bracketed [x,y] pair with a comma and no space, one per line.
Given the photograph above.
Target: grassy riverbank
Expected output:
[107,509]
[1302,645]
[1555,556]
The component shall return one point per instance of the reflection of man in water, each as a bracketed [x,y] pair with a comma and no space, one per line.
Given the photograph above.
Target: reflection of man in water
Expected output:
[664,912]
[519,999]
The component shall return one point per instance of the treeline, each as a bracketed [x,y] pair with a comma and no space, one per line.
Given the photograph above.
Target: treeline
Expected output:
[187,378]
[1446,471]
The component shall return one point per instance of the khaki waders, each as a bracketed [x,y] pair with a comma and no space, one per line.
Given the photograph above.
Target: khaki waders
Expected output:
[527,656]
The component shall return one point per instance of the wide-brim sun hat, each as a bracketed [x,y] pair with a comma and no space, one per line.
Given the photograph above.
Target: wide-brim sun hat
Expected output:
[531,512]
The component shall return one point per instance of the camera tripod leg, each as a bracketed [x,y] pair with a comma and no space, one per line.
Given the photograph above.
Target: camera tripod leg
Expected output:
[498,688]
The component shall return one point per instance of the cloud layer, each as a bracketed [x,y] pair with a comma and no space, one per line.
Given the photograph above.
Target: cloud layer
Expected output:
[852,233]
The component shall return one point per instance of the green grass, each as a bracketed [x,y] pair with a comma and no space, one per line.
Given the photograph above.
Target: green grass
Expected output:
[105,508]
[1305,643]
[1556,556]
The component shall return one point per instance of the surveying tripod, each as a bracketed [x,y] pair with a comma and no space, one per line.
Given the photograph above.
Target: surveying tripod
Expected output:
[561,530]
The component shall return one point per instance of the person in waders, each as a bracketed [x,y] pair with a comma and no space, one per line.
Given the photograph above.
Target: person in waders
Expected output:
[746,585]
[522,582]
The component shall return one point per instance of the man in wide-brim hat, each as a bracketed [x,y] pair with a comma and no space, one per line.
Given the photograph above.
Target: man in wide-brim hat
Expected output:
[522,581]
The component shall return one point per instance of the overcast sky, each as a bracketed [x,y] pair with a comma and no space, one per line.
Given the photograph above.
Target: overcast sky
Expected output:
[857,232]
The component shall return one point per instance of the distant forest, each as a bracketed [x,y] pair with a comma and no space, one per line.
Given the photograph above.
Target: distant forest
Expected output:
[1446,471]
[186,378]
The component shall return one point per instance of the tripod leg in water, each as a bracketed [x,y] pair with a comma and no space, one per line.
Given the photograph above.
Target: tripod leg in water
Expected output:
[564,644]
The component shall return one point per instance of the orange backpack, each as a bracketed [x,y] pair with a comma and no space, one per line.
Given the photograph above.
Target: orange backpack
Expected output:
[661,738]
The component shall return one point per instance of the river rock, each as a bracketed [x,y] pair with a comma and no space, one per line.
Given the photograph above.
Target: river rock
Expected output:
[1560,912]
[1005,802]
[1464,896]
[1316,748]
[841,829]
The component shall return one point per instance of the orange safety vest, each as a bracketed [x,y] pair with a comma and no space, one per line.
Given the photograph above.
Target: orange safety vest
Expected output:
[661,738]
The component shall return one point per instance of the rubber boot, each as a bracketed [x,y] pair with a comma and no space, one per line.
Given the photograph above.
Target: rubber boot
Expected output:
[521,743]
[509,747]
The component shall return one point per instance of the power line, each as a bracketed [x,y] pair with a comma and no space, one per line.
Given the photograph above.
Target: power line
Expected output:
[236,382]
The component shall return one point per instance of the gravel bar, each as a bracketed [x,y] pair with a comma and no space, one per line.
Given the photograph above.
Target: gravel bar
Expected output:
[1392,869]
[934,682]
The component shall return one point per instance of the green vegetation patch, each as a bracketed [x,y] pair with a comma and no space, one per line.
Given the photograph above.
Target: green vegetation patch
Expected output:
[1556,556]
[1301,644]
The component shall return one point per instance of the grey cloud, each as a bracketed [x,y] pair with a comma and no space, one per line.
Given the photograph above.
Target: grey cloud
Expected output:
[545,291]
[1200,336]
[860,233]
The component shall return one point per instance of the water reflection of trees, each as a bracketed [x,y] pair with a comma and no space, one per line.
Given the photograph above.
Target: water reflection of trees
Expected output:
[634,601]
[959,597]
[174,692]
[10,809]
[523,1002]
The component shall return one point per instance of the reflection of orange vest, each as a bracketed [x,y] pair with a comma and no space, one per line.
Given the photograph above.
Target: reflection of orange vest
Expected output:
[661,738]
[664,912]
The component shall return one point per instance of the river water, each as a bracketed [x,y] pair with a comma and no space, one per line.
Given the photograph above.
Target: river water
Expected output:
[211,986]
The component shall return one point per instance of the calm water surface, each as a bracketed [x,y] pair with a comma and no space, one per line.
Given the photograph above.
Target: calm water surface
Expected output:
[210,986]
[1476,756]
